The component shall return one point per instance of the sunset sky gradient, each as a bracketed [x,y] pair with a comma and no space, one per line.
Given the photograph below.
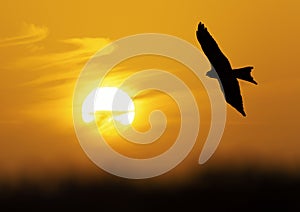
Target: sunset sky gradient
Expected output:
[44,45]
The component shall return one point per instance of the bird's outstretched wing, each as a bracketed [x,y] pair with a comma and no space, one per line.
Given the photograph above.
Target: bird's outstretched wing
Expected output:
[212,50]
[233,94]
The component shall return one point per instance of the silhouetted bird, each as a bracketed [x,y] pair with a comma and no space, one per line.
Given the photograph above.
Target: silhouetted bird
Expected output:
[227,76]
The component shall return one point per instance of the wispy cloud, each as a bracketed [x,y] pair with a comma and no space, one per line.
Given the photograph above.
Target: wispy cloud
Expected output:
[48,62]
[53,69]
[29,33]
[84,49]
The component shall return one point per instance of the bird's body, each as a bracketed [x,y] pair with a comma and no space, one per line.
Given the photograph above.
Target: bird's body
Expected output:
[226,75]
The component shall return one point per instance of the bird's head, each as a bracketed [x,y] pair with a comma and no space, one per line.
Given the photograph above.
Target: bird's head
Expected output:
[212,74]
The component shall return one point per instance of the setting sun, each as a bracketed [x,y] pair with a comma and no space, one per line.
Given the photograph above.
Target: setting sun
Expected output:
[106,100]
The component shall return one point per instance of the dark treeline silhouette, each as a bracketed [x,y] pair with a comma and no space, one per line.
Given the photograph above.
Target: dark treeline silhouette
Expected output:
[226,75]
[227,190]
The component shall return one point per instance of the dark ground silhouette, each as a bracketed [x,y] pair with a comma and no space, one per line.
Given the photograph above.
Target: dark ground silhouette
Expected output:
[227,76]
[244,190]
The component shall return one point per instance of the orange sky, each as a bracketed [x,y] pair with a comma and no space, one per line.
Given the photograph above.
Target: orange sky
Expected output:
[45,44]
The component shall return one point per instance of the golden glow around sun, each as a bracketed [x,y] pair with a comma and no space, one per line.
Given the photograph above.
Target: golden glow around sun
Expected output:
[107,100]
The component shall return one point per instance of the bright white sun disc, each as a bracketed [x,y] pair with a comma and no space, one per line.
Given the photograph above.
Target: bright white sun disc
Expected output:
[108,99]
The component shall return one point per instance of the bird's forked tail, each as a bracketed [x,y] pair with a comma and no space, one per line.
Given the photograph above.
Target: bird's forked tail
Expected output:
[244,74]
